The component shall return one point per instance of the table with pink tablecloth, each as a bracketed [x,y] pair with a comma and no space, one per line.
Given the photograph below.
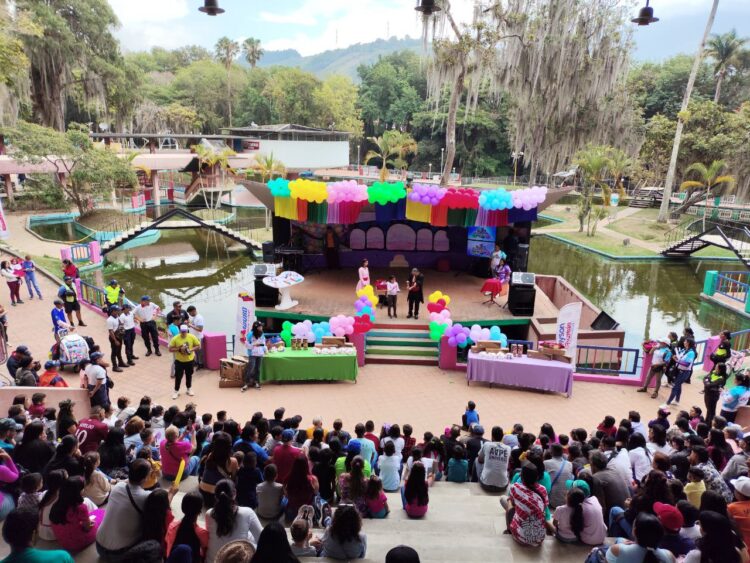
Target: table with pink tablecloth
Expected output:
[524,372]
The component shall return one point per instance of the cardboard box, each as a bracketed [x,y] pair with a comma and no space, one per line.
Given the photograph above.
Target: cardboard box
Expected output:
[334,340]
[223,383]
[231,369]
[241,359]
[553,351]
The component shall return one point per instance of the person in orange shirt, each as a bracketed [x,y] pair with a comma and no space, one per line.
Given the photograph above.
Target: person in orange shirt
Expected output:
[740,509]
[317,423]
[51,376]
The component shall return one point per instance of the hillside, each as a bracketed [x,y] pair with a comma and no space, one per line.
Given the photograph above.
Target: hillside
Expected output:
[340,61]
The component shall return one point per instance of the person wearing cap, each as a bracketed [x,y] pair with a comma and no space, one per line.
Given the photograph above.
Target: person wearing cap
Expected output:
[672,521]
[660,357]
[353,449]
[145,314]
[739,510]
[113,293]
[284,455]
[69,295]
[415,294]
[127,322]
[8,429]
[27,374]
[183,346]
[177,312]
[579,518]
[51,376]
[116,334]
[14,359]
[96,380]
[59,320]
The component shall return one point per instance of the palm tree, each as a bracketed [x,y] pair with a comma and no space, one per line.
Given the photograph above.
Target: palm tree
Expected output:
[724,49]
[593,163]
[711,182]
[226,51]
[252,50]
[392,148]
[268,167]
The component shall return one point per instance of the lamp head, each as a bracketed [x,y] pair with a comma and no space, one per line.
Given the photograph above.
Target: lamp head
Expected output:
[211,8]
[645,15]
[427,7]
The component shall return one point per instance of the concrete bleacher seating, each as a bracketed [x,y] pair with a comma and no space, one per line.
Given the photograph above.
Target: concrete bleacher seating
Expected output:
[463,524]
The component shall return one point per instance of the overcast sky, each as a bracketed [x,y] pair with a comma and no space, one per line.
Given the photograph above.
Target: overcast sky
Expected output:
[312,26]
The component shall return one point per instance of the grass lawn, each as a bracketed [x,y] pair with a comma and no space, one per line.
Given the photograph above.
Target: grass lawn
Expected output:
[606,244]
[641,225]
[52,265]
[559,211]
[714,252]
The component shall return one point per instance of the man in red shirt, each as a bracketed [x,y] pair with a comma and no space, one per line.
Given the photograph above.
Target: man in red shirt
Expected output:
[91,431]
[284,455]
[370,434]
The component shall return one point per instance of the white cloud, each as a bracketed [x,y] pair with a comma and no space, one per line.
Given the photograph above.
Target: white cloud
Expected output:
[667,8]
[295,18]
[149,11]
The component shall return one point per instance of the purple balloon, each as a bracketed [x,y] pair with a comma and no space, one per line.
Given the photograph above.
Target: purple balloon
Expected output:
[359,305]
[461,338]
[425,199]
[452,341]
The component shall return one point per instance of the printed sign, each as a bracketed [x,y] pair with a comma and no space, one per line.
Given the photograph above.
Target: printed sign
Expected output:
[245,314]
[568,321]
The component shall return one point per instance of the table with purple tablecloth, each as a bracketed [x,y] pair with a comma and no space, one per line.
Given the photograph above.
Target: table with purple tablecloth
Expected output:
[525,372]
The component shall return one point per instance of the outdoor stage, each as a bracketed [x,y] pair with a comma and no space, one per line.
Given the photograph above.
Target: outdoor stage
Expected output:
[328,293]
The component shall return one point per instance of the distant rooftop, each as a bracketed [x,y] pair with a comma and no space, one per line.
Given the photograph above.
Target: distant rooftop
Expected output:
[287,132]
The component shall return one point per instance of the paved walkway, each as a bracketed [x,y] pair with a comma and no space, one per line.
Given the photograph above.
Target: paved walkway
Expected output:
[22,240]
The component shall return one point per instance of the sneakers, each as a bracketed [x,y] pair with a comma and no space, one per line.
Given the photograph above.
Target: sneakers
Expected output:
[158,353]
[244,388]
[81,323]
[135,358]
[257,385]
[640,390]
[117,369]
[148,353]
[190,392]
[175,395]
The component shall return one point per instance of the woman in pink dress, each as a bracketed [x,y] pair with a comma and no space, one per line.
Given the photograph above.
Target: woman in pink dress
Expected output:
[72,523]
[364,275]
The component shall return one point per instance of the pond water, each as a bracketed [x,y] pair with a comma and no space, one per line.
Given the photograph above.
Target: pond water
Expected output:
[65,232]
[646,298]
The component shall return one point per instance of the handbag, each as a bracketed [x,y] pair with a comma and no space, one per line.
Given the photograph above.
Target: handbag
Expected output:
[598,555]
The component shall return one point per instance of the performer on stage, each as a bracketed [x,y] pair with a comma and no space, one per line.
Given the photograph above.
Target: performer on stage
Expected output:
[414,285]
[497,256]
[364,275]
[503,272]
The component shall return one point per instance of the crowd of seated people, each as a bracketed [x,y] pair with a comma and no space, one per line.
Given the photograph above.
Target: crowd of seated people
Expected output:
[276,488]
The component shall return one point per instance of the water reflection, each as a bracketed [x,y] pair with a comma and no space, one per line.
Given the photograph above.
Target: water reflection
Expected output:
[646,298]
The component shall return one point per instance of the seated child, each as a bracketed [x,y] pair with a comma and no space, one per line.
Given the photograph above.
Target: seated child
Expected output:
[248,478]
[270,495]
[377,502]
[37,408]
[303,543]
[470,417]
[690,514]
[31,491]
[695,486]
[390,467]
[458,466]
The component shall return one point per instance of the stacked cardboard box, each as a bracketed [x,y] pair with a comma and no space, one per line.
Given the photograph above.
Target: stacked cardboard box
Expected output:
[231,371]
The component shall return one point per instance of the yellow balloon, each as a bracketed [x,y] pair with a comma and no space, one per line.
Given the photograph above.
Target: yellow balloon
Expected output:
[437,295]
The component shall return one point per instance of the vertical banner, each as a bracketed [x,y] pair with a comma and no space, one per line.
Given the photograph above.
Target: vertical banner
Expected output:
[245,316]
[3,224]
[568,321]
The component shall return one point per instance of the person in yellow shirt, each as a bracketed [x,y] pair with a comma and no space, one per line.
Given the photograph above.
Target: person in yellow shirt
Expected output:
[695,486]
[317,423]
[183,346]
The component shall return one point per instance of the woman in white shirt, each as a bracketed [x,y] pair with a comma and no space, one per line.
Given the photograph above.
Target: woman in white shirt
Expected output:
[394,435]
[13,281]
[227,522]
[364,275]
[640,457]
[256,349]
[497,255]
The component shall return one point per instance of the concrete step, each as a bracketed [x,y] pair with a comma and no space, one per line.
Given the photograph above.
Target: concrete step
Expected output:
[400,341]
[401,360]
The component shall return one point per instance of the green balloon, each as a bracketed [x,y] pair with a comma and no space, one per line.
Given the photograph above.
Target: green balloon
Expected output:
[286,325]
[437,330]
[286,335]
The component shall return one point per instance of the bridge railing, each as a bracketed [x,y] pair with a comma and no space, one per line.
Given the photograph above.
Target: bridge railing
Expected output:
[609,360]
[734,285]
[95,296]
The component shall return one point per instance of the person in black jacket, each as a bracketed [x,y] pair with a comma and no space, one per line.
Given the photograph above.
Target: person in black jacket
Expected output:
[415,285]
[713,384]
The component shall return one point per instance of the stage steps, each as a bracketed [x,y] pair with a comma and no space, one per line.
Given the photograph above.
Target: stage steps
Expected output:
[401,344]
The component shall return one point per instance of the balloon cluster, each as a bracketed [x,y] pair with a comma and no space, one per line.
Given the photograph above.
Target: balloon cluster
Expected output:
[461,198]
[363,306]
[440,315]
[286,333]
[384,192]
[477,333]
[368,292]
[428,194]
[341,325]
[458,335]
[529,198]
[320,330]
[304,330]
[279,187]
[346,190]
[308,190]
[495,200]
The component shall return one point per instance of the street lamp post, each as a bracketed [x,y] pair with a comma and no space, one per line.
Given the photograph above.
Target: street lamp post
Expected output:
[429,173]
[515,156]
[357,155]
[442,152]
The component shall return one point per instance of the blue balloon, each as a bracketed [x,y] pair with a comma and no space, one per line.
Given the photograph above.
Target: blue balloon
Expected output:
[495,333]
[503,341]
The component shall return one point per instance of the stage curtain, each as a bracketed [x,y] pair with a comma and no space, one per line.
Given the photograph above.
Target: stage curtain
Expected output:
[470,218]
[418,211]
[390,212]
[301,210]
[285,207]
[349,211]
[486,218]
[317,213]
[439,216]
[520,215]
[456,217]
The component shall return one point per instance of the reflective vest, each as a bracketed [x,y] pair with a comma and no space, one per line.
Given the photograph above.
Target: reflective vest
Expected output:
[113,293]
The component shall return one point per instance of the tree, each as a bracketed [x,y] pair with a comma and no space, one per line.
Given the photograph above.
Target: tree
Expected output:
[337,98]
[269,167]
[291,94]
[252,50]
[75,49]
[212,160]
[724,49]
[593,163]
[619,166]
[14,63]
[226,51]
[84,172]
[711,182]
[392,149]
[668,184]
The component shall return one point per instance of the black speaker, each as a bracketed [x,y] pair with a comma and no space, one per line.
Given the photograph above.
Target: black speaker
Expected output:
[265,296]
[269,252]
[521,300]
[604,322]
[522,258]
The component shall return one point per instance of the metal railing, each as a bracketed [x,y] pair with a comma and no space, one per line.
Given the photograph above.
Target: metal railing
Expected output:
[612,360]
[734,285]
[97,297]
[80,253]
[736,235]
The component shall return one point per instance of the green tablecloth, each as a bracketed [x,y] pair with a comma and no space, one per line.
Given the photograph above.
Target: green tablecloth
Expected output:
[304,365]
